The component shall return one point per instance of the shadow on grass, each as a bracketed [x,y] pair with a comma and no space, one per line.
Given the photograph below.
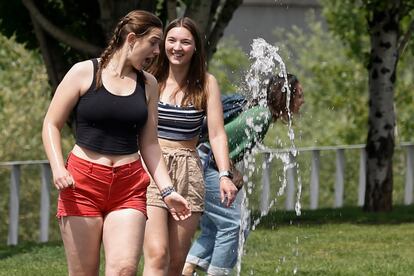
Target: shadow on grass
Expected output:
[399,214]
[24,247]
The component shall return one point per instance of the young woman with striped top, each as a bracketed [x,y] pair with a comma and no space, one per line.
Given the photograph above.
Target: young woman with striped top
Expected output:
[188,94]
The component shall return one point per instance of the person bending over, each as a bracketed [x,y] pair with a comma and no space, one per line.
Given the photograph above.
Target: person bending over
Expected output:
[216,248]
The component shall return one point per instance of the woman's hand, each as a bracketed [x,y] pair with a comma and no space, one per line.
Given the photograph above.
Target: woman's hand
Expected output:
[63,179]
[178,206]
[227,191]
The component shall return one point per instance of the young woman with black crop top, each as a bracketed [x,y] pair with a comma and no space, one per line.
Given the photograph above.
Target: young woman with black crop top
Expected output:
[187,94]
[102,187]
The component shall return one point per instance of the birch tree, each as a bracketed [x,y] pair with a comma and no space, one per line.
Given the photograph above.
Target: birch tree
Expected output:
[377,31]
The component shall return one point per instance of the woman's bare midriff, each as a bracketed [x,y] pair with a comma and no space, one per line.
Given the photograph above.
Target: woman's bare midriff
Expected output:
[191,144]
[104,159]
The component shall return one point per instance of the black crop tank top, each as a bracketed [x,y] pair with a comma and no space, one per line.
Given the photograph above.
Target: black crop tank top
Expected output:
[107,123]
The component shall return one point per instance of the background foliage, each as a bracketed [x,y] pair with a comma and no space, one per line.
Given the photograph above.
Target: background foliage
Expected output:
[335,113]
[24,98]
[335,110]
[335,85]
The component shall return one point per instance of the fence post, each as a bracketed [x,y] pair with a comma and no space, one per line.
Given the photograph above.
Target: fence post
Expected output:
[14,206]
[314,185]
[264,200]
[408,193]
[290,191]
[339,182]
[362,176]
[45,203]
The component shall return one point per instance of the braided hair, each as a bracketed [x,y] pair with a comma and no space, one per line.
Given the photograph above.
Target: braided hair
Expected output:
[139,22]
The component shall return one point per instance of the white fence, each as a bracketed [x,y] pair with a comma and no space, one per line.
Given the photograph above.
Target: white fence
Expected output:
[408,149]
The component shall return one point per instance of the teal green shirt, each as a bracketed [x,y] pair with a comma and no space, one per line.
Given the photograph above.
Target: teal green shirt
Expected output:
[246,129]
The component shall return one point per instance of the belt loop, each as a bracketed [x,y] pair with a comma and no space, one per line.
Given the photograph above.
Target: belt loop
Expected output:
[90,167]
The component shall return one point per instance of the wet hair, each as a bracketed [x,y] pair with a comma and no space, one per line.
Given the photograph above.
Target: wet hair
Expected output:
[139,22]
[277,96]
[194,84]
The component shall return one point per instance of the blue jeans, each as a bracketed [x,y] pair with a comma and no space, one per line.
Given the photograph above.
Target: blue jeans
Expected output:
[215,249]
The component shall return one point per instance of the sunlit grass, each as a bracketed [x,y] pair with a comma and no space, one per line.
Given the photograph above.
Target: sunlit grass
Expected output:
[344,241]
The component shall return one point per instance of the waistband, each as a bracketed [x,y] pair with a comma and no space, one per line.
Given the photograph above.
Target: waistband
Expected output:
[171,150]
[89,165]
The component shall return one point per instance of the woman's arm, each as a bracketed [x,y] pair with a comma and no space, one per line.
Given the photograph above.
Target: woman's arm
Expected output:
[218,139]
[152,155]
[78,79]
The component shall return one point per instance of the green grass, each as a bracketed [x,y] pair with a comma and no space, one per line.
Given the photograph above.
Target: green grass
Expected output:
[342,241]
[331,249]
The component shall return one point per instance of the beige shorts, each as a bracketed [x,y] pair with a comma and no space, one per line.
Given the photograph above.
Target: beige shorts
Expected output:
[186,172]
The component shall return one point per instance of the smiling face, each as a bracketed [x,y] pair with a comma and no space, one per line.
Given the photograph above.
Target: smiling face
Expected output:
[179,46]
[145,49]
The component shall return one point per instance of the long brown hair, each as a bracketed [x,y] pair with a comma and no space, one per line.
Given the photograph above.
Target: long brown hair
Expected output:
[277,96]
[194,83]
[141,23]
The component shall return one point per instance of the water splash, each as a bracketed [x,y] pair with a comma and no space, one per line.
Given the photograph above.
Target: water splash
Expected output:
[266,62]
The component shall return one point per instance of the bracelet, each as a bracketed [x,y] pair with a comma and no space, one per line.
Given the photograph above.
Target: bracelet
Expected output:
[167,191]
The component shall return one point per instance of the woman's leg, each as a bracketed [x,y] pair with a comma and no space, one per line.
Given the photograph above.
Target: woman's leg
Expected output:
[82,240]
[220,227]
[156,253]
[123,235]
[180,235]
[225,253]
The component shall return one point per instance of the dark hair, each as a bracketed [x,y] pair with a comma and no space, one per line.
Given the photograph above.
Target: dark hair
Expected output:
[194,83]
[139,22]
[277,95]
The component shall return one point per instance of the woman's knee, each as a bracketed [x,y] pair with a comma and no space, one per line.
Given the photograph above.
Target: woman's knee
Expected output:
[159,258]
[83,271]
[125,266]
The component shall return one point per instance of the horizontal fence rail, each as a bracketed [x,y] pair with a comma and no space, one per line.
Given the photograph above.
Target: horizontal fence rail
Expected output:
[408,148]
[266,182]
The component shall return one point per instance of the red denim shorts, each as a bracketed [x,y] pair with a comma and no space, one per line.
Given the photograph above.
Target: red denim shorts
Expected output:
[100,189]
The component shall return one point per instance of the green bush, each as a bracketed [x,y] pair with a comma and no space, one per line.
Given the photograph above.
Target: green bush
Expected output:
[229,65]
[24,98]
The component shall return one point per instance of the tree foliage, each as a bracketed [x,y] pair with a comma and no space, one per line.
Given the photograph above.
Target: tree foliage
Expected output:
[67,31]
[23,101]
[348,19]
[334,88]
[229,65]
[389,26]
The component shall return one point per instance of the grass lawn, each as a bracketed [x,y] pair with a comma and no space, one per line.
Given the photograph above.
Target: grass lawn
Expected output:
[343,241]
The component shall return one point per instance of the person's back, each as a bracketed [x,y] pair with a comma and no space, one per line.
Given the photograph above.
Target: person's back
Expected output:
[215,250]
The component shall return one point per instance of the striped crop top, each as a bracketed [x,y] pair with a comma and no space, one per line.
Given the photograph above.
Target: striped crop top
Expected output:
[179,123]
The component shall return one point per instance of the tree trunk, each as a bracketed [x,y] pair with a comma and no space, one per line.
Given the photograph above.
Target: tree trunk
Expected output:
[200,11]
[384,32]
[111,11]
[223,18]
